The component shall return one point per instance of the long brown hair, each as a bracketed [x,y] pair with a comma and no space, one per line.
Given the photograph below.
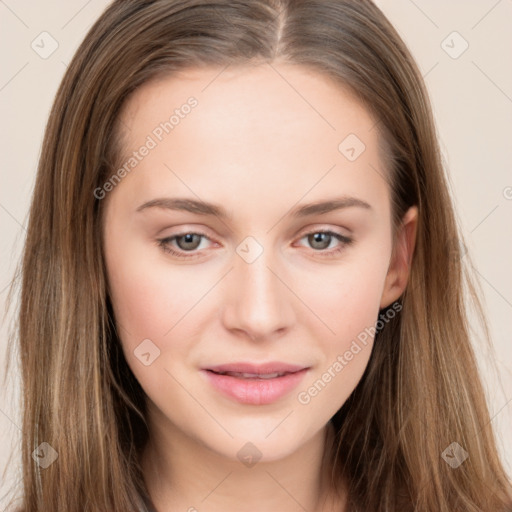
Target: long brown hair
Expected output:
[421,390]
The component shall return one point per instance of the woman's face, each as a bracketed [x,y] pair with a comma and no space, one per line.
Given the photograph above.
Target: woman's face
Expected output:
[214,252]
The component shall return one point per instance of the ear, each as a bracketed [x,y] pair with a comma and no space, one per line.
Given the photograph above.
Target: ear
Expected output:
[401,257]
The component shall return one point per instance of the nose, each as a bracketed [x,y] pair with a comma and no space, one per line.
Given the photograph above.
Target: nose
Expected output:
[258,302]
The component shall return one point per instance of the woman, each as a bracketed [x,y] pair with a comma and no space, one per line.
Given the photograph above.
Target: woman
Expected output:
[312,351]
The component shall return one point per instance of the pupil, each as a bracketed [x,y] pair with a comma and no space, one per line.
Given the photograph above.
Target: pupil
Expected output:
[317,238]
[188,239]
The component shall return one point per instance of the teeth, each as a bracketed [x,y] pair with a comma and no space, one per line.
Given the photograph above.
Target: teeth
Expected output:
[253,375]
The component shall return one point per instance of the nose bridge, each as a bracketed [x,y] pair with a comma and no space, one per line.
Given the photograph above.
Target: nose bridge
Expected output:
[259,303]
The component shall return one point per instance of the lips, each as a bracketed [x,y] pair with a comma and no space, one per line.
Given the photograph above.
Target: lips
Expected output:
[253,375]
[256,370]
[255,384]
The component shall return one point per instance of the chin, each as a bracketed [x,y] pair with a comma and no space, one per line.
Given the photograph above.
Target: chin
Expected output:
[260,442]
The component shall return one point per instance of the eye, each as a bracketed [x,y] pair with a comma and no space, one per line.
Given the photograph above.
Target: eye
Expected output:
[182,243]
[190,242]
[323,239]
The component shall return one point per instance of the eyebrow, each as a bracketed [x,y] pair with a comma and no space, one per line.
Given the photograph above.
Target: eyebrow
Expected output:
[206,208]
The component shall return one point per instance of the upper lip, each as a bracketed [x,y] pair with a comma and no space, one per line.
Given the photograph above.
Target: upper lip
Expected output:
[257,369]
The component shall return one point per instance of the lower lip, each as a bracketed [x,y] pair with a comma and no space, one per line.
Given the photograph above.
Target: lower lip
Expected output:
[255,391]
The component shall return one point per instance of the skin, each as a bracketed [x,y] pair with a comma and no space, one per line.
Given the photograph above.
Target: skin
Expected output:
[261,141]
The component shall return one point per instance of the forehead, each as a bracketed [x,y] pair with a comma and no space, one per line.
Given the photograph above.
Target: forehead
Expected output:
[259,98]
[251,127]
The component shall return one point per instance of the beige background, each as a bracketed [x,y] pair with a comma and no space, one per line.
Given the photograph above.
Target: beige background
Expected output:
[472,100]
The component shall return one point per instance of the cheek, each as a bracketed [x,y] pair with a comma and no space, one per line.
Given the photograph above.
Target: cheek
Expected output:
[346,297]
[348,304]
[156,303]
[149,300]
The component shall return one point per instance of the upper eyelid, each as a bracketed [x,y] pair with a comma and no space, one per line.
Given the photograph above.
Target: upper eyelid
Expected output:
[302,232]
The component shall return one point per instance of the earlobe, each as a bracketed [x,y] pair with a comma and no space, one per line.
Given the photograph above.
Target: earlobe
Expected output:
[401,258]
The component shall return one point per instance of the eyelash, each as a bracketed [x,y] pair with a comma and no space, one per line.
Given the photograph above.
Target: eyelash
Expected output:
[164,243]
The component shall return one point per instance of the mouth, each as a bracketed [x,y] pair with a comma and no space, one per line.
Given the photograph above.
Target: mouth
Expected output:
[252,384]
[253,375]
[257,370]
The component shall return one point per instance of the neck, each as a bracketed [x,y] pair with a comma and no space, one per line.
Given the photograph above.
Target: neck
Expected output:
[182,474]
